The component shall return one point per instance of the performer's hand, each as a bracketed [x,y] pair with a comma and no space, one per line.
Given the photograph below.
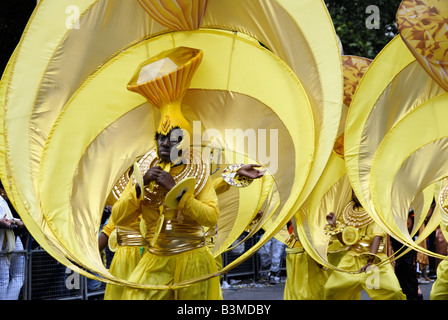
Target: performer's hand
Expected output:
[366,266]
[249,171]
[331,218]
[151,175]
[165,180]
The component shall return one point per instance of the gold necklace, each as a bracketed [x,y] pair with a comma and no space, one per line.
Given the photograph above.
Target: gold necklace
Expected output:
[355,218]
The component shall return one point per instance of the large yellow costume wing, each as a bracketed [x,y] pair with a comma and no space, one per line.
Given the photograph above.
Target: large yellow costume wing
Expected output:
[423,28]
[333,190]
[394,86]
[77,130]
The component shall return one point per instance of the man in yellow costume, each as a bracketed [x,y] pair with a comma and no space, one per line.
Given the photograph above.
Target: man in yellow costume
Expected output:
[175,196]
[366,240]
[128,243]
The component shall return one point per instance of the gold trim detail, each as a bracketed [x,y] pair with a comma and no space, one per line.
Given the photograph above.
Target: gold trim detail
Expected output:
[196,167]
[355,218]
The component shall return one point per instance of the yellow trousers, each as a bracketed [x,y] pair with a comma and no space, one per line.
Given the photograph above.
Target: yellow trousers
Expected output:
[172,269]
[305,278]
[380,283]
[123,264]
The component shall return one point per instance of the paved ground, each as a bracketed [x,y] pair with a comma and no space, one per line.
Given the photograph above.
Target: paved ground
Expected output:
[249,290]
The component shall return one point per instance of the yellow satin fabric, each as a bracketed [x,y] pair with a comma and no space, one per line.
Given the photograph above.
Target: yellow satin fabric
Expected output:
[126,257]
[94,61]
[439,289]
[176,14]
[305,278]
[391,132]
[125,260]
[346,286]
[331,194]
[166,270]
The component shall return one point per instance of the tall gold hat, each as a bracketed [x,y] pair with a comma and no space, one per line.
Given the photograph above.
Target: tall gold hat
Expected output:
[164,80]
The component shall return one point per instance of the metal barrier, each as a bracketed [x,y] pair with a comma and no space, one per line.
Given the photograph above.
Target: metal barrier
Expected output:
[41,277]
[50,280]
[44,278]
[250,268]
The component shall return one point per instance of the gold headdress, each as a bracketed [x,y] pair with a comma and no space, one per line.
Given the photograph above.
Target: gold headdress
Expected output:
[163,80]
[353,70]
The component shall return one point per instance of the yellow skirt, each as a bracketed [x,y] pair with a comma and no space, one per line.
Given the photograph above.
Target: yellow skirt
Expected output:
[305,278]
[125,259]
[168,270]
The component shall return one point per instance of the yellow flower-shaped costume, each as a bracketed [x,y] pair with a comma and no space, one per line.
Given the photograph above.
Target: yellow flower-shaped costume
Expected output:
[77,95]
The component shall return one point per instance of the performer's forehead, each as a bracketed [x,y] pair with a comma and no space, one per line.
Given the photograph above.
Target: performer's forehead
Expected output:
[173,133]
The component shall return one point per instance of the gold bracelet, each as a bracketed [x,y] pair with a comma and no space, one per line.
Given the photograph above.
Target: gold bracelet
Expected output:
[330,230]
[231,176]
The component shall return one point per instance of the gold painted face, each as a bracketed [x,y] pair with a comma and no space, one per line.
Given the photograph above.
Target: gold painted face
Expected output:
[168,145]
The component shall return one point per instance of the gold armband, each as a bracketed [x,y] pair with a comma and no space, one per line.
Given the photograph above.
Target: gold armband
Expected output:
[230,176]
[329,230]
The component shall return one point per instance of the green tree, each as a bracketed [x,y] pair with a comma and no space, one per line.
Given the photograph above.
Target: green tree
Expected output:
[364,26]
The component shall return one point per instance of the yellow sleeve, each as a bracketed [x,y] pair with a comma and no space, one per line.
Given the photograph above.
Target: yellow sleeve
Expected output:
[374,230]
[109,227]
[220,185]
[204,208]
[127,209]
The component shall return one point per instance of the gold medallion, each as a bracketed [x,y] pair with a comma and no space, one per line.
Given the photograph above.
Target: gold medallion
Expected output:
[350,235]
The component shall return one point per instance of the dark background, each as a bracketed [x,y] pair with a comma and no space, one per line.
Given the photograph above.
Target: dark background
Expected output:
[349,19]
[14,15]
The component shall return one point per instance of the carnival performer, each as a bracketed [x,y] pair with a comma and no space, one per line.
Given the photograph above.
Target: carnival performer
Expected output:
[128,243]
[175,196]
[366,240]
